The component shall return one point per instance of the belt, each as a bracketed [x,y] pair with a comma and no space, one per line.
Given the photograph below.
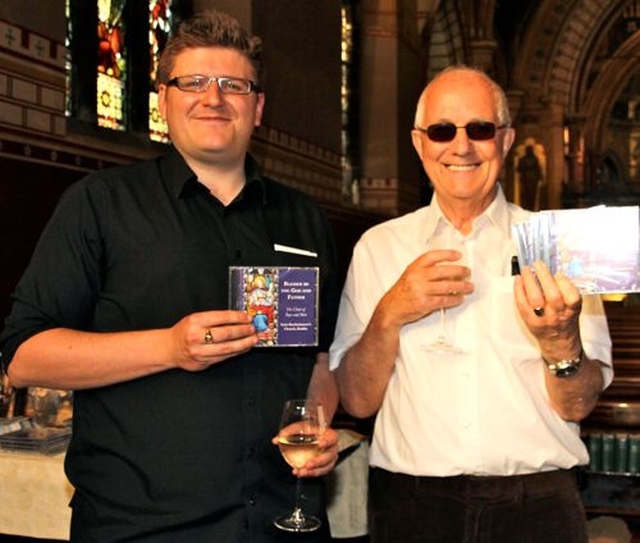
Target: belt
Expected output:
[480,486]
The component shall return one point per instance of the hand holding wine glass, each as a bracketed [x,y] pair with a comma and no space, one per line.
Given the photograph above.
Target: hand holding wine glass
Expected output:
[301,427]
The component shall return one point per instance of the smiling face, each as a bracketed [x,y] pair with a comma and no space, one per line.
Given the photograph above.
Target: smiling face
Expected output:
[464,172]
[211,127]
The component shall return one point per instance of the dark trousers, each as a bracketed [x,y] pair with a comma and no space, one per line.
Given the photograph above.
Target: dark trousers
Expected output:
[538,508]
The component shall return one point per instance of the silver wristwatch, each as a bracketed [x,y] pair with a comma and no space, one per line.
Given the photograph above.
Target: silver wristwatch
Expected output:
[566,367]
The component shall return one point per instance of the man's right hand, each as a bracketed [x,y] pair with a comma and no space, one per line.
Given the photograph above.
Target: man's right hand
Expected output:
[431,282]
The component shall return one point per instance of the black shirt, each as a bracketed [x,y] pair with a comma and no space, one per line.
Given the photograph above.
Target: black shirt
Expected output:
[176,456]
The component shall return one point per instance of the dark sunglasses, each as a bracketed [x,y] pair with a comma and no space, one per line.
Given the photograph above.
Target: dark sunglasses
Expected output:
[476,131]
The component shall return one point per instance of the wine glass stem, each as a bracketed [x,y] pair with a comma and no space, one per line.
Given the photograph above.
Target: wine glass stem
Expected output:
[296,516]
[443,323]
[298,493]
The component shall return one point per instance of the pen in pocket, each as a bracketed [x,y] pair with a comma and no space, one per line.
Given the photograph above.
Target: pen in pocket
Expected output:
[515,266]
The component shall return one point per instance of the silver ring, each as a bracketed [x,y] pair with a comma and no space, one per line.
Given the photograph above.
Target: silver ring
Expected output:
[208,336]
[539,311]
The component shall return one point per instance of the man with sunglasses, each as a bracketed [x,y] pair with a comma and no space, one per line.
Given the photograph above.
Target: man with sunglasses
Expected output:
[126,302]
[477,443]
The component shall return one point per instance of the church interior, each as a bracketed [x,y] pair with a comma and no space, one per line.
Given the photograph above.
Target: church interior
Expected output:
[342,81]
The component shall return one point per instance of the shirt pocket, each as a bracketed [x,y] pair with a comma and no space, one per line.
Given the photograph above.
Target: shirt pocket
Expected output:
[509,330]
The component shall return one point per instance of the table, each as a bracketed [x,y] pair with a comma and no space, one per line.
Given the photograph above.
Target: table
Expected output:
[35,493]
[35,496]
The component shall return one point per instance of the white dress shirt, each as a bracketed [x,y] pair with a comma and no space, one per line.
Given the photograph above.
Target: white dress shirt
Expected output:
[483,412]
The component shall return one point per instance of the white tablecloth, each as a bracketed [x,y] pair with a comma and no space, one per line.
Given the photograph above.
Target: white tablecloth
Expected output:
[347,487]
[34,496]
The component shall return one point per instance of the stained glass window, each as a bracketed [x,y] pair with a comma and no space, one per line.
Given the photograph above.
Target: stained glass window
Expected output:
[68,60]
[159,27]
[112,64]
[350,183]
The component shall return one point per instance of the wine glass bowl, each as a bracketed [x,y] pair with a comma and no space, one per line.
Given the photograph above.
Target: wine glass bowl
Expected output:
[300,428]
[298,444]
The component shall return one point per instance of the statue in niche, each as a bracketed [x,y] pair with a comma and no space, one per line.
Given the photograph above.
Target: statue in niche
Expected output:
[530,168]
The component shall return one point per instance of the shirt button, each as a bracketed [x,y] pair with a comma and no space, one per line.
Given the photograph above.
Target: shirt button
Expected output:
[252,501]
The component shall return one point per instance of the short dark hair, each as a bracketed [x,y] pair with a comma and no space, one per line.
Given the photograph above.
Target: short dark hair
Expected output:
[211,28]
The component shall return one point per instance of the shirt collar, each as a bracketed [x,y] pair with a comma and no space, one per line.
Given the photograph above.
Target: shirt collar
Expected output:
[255,180]
[497,213]
[180,178]
[175,172]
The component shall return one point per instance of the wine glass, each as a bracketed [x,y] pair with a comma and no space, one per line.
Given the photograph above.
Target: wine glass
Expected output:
[443,344]
[301,425]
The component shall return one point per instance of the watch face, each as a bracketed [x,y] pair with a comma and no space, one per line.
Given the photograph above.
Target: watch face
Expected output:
[567,370]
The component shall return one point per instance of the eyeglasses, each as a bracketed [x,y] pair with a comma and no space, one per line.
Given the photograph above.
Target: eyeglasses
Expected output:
[476,131]
[201,83]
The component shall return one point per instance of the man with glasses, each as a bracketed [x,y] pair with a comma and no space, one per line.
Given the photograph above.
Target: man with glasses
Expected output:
[126,302]
[476,444]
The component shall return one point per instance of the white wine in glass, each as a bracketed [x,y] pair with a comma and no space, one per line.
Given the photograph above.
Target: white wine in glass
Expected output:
[298,448]
[300,427]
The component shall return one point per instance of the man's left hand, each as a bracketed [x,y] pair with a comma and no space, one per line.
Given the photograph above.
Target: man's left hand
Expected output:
[324,462]
[550,307]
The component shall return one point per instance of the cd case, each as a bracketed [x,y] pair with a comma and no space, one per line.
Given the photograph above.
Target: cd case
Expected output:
[597,248]
[282,301]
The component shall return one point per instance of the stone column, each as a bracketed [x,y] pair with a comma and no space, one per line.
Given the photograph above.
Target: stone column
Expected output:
[574,152]
[482,53]
[391,79]
[553,124]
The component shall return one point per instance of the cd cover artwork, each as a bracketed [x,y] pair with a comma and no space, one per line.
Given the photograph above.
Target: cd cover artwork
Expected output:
[282,302]
[597,248]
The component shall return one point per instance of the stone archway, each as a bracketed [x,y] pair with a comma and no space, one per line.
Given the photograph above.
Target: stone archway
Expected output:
[613,78]
[562,77]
